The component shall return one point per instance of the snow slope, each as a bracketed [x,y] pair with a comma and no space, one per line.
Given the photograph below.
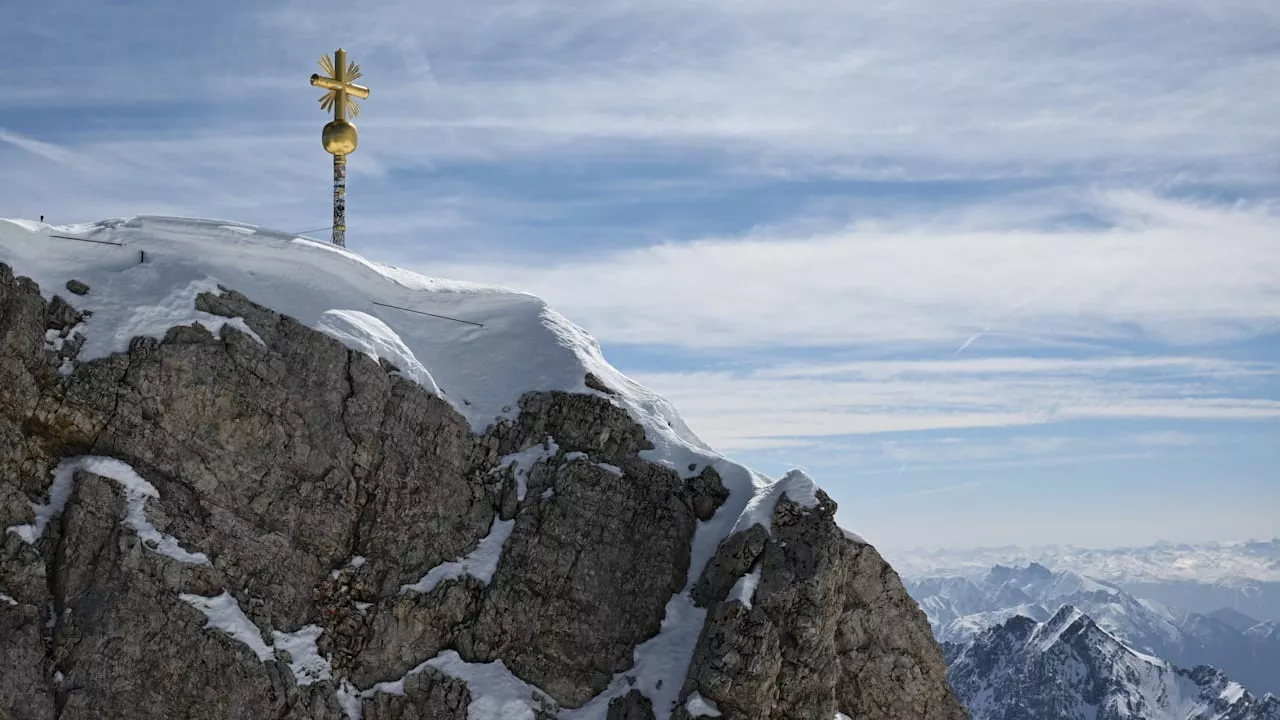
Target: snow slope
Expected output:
[144,274]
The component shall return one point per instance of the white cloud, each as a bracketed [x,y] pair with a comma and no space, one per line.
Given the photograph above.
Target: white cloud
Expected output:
[816,84]
[1171,271]
[812,88]
[763,408]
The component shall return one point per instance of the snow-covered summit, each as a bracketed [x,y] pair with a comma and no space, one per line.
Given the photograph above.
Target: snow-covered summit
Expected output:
[479,348]
[146,271]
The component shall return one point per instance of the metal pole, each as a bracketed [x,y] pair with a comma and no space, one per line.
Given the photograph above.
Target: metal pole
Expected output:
[340,200]
[340,75]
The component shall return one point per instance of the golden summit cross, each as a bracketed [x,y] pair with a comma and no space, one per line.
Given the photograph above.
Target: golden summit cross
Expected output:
[339,135]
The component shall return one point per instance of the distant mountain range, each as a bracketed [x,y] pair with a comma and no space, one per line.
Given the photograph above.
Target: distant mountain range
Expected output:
[1244,648]
[1218,563]
[1201,578]
[1069,668]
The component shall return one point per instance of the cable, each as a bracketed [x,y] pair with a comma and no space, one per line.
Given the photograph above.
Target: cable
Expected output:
[420,312]
[304,232]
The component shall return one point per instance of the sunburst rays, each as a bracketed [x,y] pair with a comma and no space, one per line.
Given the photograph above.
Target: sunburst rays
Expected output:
[330,98]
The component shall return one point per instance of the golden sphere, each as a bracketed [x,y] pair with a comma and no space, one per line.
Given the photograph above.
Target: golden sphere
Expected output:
[339,137]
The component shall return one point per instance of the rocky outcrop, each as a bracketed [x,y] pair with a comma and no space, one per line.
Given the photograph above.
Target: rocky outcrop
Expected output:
[826,613]
[299,493]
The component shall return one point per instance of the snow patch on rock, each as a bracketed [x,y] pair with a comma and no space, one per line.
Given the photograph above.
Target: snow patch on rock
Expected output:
[524,461]
[137,490]
[307,664]
[480,563]
[698,706]
[796,486]
[224,613]
[744,590]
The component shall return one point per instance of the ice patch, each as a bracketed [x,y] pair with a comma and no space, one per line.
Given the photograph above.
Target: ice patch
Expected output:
[306,663]
[698,706]
[744,590]
[224,613]
[136,490]
[481,563]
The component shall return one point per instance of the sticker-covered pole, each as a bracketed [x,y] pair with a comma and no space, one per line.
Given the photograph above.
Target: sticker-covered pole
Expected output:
[340,200]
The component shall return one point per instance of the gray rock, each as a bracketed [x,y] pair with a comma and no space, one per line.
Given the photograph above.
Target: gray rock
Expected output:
[428,695]
[596,384]
[413,627]
[632,706]
[126,645]
[283,461]
[737,662]
[26,670]
[61,315]
[707,493]
[548,616]
[831,629]
[77,288]
[735,556]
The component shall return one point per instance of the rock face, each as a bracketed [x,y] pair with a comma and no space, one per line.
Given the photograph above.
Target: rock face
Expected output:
[287,490]
[827,614]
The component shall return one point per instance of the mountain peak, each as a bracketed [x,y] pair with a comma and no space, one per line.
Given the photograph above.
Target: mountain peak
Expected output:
[1036,570]
[1068,667]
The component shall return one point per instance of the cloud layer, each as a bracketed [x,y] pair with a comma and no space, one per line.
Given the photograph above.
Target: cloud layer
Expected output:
[1162,270]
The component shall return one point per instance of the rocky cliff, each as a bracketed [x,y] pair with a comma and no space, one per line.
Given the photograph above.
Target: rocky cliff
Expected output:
[258,521]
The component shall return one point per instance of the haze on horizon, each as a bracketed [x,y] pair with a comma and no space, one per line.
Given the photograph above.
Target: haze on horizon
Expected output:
[1004,273]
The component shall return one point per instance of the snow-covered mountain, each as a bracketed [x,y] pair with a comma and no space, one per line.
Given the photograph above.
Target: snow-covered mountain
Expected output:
[1069,668]
[249,475]
[959,608]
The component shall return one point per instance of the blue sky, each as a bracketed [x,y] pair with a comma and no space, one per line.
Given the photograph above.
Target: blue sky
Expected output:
[994,272]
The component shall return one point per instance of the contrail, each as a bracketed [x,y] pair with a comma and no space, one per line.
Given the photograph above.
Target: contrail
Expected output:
[969,342]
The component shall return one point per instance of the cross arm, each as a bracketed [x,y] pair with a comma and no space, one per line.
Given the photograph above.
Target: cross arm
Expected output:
[328,83]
